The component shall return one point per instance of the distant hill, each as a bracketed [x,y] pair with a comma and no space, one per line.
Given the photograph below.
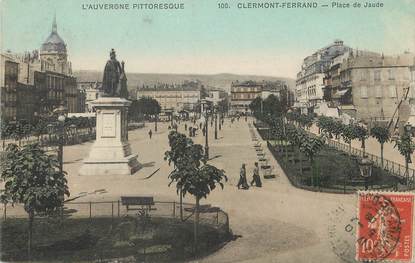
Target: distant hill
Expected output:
[223,80]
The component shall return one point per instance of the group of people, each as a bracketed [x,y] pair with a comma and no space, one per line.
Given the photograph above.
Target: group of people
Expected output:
[243,182]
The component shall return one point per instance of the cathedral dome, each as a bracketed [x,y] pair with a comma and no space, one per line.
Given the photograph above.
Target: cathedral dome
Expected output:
[54,43]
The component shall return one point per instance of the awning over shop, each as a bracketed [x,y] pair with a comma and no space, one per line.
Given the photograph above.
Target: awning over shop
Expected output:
[340,93]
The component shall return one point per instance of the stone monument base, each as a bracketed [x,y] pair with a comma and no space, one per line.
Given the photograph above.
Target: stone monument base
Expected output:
[111,152]
[125,166]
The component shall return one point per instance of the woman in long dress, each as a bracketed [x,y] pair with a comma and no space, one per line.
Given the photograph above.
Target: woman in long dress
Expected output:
[242,178]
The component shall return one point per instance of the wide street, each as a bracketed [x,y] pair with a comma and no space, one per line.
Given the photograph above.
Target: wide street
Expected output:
[275,223]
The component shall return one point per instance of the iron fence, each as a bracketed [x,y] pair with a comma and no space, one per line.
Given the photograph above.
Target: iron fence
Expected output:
[52,139]
[212,216]
[394,168]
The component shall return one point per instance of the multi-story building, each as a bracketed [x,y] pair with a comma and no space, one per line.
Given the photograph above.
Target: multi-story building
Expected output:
[377,85]
[367,85]
[92,91]
[216,96]
[172,97]
[243,93]
[42,80]
[8,84]
[310,80]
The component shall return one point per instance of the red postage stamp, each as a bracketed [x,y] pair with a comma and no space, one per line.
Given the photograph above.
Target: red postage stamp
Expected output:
[385,226]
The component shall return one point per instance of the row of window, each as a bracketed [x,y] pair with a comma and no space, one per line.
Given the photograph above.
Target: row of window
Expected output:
[55,94]
[381,91]
[175,96]
[246,89]
[54,83]
[379,75]
[243,96]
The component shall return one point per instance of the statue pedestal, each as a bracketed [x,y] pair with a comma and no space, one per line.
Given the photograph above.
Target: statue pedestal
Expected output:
[111,153]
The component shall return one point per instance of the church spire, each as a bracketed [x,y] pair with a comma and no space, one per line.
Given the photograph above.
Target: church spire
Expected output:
[54,25]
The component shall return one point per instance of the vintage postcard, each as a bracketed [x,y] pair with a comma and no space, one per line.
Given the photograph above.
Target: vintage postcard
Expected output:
[207,131]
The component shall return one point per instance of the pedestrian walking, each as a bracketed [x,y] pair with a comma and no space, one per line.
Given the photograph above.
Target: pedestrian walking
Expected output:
[256,179]
[242,183]
[190,131]
[185,126]
[200,125]
[150,133]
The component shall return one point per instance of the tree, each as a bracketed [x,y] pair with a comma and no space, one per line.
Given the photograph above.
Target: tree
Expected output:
[305,121]
[179,150]
[382,136]
[223,106]
[191,173]
[349,134]
[200,184]
[255,106]
[311,146]
[362,135]
[337,128]
[405,147]
[32,177]
[296,137]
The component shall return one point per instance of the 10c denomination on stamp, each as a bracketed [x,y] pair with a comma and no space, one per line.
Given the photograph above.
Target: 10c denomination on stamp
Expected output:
[385,229]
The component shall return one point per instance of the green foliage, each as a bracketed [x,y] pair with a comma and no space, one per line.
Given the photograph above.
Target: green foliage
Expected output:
[191,173]
[405,146]
[336,128]
[349,133]
[305,121]
[381,134]
[144,106]
[311,145]
[201,183]
[271,106]
[223,106]
[295,136]
[326,124]
[33,178]
[361,132]
[255,105]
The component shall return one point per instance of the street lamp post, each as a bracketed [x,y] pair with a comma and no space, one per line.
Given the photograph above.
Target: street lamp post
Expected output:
[155,123]
[61,111]
[74,133]
[365,166]
[408,129]
[206,135]
[216,124]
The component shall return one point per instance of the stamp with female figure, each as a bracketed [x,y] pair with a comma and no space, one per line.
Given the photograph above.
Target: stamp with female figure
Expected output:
[385,229]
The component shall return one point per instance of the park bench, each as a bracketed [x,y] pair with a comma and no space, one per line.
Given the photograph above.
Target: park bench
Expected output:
[268,171]
[138,203]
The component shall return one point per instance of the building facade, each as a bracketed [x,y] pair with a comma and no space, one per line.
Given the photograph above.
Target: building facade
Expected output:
[8,84]
[91,91]
[378,85]
[309,90]
[176,98]
[216,96]
[242,94]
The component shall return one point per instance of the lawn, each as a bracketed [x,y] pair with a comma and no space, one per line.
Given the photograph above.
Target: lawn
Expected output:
[334,170]
[129,239]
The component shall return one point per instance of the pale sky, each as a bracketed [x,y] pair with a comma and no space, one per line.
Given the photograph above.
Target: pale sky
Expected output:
[203,38]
